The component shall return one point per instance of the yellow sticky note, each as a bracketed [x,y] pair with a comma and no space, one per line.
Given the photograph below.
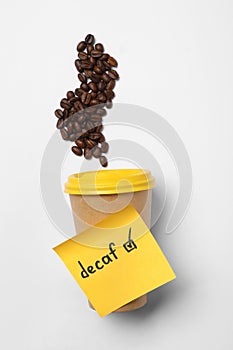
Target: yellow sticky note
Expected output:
[116,261]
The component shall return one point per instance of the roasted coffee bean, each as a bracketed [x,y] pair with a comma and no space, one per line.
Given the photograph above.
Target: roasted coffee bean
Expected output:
[77,150]
[78,105]
[111,85]
[82,78]
[60,123]
[89,125]
[99,128]
[86,98]
[93,86]
[88,73]
[64,134]
[101,85]
[97,70]
[79,92]
[77,127]
[86,64]
[73,100]
[105,77]
[96,53]
[81,119]
[109,104]
[103,161]
[72,137]
[102,138]
[87,153]
[96,118]
[58,113]
[78,65]
[101,111]
[70,127]
[93,95]
[99,47]
[89,39]
[104,147]
[94,102]
[90,48]
[95,136]
[107,65]
[90,143]
[92,60]
[100,64]
[110,94]
[83,56]
[113,74]
[70,94]
[102,97]
[80,143]
[112,61]
[65,114]
[81,46]
[65,103]
[104,57]
[96,152]
[85,87]
[95,78]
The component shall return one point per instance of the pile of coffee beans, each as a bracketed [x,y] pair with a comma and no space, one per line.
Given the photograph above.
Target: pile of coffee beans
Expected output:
[82,111]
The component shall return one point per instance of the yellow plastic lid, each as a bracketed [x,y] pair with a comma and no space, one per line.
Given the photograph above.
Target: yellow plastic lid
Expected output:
[110,181]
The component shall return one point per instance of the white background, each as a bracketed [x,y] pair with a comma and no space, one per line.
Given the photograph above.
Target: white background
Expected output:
[175,58]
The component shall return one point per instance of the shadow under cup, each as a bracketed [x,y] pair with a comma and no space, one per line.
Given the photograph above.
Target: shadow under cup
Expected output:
[95,195]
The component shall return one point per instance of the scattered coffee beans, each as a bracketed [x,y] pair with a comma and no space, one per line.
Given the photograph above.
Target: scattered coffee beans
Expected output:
[80,121]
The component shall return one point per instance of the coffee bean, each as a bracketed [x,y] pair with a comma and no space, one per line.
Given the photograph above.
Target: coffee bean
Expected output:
[104,57]
[83,56]
[65,114]
[73,100]
[70,127]
[77,150]
[87,153]
[92,60]
[93,86]
[96,118]
[81,46]
[85,87]
[95,136]
[112,61]
[70,94]
[80,143]
[86,64]
[102,97]
[78,105]
[101,85]
[81,119]
[97,70]
[95,78]
[103,161]
[78,65]
[82,78]
[101,111]
[65,103]
[93,95]
[111,85]
[87,99]
[89,39]
[77,127]
[72,137]
[96,53]
[88,73]
[64,134]
[113,74]
[90,48]
[58,113]
[99,47]
[96,152]
[105,77]
[94,102]
[102,138]
[110,94]
[109,104]
[90,143]
[60,123]
[107,65]
[104,147]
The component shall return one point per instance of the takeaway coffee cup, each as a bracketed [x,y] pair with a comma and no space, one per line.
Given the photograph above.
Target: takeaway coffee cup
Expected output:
[94,195]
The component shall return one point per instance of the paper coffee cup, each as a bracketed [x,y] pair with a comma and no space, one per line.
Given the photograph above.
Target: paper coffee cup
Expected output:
[95,195]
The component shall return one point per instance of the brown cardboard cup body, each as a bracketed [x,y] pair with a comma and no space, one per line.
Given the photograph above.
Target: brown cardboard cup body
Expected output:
[91,209]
